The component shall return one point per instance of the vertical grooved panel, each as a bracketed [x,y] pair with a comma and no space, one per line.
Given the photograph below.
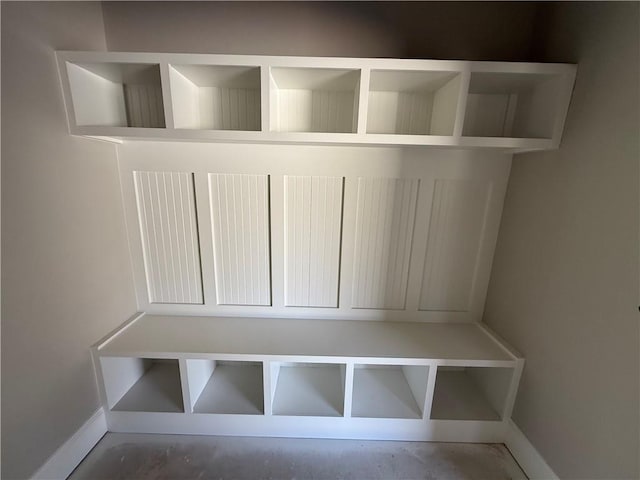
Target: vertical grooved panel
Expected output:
[455,235]
[224,108]
[144,106]
[384,231]
[168,227]
[241,249]
[313,223]
[315,111]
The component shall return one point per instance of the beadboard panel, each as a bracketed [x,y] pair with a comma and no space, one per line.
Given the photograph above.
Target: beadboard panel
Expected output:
[313,236]
[169,233]
[372,219]
[407,113]
[385,222]
[229,108]
[240,228]
[458,216]
[144,106]
[315,111]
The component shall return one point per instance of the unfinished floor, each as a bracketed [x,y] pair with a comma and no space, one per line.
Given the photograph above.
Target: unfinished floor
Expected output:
[142,457]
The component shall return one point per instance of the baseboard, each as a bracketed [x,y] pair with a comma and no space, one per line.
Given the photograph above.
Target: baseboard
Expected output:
[70,454]
[526,455]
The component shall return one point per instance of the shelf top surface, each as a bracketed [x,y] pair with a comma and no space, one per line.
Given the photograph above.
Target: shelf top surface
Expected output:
[161,336]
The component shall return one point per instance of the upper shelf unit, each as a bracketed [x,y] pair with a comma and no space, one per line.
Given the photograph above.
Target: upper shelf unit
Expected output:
[516,106]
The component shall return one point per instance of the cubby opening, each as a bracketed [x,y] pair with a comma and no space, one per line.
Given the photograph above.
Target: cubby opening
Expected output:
[470,393]
[308,389]
[217,386]
[514,105]
[142,384]
[413,102]
[215,97]
[314,100]
[116,94]
[389,391]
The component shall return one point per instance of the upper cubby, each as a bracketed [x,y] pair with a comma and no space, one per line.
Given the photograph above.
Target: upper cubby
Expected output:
[519,105]
[116,94]
[314,100]
[273,99]
[413,102]
[215,97]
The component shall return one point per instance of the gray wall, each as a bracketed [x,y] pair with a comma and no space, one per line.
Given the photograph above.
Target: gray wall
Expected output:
[66,273]
[446,30]
[564,285]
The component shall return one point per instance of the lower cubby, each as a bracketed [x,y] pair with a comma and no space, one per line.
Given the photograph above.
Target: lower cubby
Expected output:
[471,393]
[389,391]
[226,387]
[308,389]
[142,384]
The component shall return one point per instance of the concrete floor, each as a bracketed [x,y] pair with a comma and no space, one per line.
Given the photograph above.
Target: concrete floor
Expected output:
[165,457]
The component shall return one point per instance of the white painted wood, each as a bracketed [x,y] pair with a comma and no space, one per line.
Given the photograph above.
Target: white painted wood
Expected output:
[240,228]
[97,107]
[169,234]
[486,115]
[113,94]
[185,388]
[119,375]
[154,336]
[351,163]
[457,397]
[512,104]
[417,378]
[144,106]
[216,97]
[348,371]
[384,234]
[309,427]
[167,102]
[232,388]
[274,369]
[315,390]
[383,391]
[318,393]
[527,456]
[458,218]
[315,100]
[69,455]
[198,373]
[96,100]
[158,390]
[313,221]
[412,102]
[494,383]
[445,107]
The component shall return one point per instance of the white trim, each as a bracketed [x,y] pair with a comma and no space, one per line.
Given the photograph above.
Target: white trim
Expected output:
[72,452]
[526,454]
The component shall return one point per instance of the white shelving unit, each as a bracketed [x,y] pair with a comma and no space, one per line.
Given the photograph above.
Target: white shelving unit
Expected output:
[324,379]
[514,106]
[419,223]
